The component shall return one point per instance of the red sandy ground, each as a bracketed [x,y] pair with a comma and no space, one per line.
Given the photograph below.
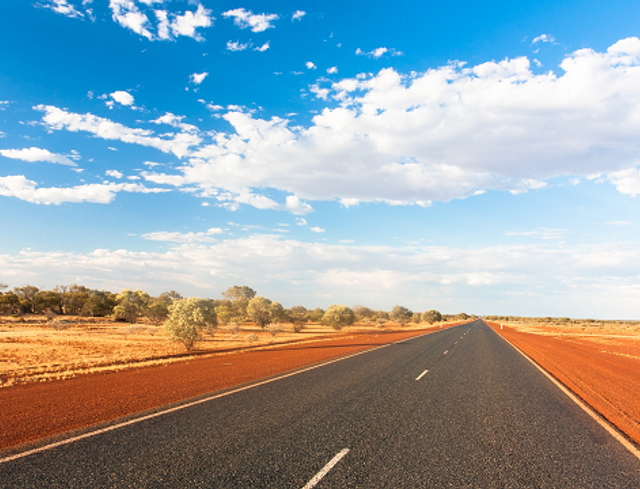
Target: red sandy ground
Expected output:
[605,375]
[34,411]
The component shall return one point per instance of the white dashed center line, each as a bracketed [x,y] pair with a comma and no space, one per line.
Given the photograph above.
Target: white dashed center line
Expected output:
[421,375]
[325,470]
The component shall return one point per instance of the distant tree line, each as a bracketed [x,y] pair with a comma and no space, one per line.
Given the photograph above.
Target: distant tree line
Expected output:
[185,319]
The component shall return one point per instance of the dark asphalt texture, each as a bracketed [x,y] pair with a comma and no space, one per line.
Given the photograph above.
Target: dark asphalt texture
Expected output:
[482,417]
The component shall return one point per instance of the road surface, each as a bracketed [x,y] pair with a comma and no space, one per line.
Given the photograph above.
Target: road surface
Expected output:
[459,408]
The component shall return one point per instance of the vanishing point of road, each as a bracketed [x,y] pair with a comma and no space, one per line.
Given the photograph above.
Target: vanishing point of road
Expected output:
[458,408]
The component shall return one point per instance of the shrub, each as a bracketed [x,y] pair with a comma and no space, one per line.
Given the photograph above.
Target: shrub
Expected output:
[338,316]
[188,318]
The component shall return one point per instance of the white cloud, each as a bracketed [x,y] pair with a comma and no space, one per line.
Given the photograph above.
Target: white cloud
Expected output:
[114,174]
[332,70]
[378,52]
[310,65]
[317,229]
[619,223]
[627,181]
[263,48]
[298,14]
[322,93]
[122,97]
[543,38]
[448,133]
[301,221]
[198,78]
[169,25]
[176,237]
[63,7]
[127,14]
[236,46]
[597,280]
[57,119]
[37,154]
[20,187]
[245,19]
[187,23]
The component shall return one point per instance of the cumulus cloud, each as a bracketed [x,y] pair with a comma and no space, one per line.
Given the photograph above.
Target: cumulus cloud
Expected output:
[245,19]
[332,70]
[543,38]
[409,139]
[169,25]
[310,65]
[378,52]
[20,187]
[114,174]
[592,280]
[37,154]
[64,7]
[236,46]
[58,119]
[122,97]
[298,14]
[317,229]
[198,78]
[263,48]
[627,181]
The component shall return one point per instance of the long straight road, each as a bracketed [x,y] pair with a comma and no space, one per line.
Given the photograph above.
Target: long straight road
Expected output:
[457,408]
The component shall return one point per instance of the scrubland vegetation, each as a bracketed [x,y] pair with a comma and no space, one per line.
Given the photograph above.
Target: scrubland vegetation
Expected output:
[50,334]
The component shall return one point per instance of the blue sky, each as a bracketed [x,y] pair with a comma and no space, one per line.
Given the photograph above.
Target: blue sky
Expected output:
[463,156]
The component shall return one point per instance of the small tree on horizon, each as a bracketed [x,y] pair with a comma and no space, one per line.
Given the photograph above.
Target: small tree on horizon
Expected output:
[401,314]
[338,316]
[259,310]
[188,318]
[432,316]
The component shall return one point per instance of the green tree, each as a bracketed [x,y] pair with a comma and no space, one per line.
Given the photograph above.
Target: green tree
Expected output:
[9,303]
[401,314]
[432,316]
[157,311]
[131,305]
[26,295]
[46,300]
[278,313]
[99,303]
[362,312]
[240,297]
[338,316]
[297,314]
[316,314]
[260,312]
[188,318]
[169,297]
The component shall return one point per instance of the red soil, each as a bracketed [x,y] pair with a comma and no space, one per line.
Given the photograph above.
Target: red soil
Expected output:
[33,411]
[605,376]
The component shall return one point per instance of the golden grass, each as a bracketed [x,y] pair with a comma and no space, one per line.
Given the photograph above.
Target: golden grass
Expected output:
[614,337]
[37,348]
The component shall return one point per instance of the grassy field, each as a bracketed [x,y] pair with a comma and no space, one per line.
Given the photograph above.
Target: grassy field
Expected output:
[40,348]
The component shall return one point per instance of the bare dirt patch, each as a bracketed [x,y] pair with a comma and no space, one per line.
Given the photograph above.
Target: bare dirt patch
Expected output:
[36,410]
[600,363]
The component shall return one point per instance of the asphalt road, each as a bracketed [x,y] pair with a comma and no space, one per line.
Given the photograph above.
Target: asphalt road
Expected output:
[459,408]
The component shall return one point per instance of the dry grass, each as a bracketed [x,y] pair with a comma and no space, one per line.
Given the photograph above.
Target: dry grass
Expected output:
[38,348]
[614,337]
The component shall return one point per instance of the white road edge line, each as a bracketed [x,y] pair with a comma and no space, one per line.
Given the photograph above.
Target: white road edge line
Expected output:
[89,434]
[422,375]
[325,470]
[612,430]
